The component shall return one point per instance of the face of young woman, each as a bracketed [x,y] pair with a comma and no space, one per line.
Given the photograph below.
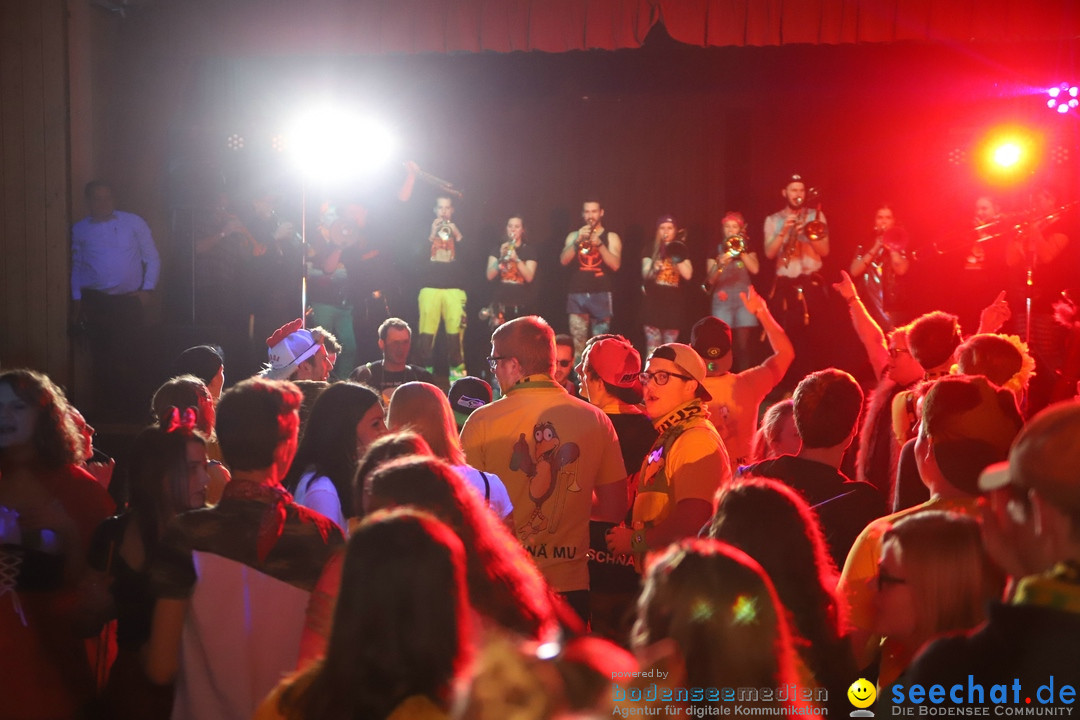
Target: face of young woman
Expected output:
[17,418]
[371,427]
[198,474]
[895,601]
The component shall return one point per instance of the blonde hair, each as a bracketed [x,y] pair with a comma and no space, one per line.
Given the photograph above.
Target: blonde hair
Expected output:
[422,408]
[947,569]
[722,611]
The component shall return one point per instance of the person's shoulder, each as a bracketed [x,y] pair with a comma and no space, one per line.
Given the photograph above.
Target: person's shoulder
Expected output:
[316,525]
[421,374]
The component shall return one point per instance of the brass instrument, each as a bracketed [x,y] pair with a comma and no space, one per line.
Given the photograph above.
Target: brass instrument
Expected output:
[675,251]
[584,241]
[494,314]
[816,229]
[789,246]
[506,255]
[735,245]
[444,239]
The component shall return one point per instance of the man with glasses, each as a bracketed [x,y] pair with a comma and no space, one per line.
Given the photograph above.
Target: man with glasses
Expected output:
[564,363]
[558,456]
[687,463]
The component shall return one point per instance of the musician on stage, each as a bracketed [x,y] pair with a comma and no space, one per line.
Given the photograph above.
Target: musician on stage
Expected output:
[595,253]
[666,270]
[1043,248]
[880,265]
[798,296]
[728,274]
[442,297]
[512,266]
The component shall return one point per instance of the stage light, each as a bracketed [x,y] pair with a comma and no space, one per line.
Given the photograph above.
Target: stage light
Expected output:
[1063,98]
[235,142]
[277,143]
[957,156]
[333,144]
[1007,154]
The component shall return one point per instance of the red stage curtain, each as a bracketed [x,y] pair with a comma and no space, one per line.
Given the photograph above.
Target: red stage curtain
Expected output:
[375,27]
[782,22]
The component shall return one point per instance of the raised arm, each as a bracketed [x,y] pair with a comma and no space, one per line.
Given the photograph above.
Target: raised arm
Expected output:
[783,351]
[869,332]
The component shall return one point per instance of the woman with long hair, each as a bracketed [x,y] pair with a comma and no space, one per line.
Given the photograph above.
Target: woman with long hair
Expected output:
[934,577]
[422,407]
[167,475]
[320,610]
[504,584]
[772,523]
[345,419]
[718,610]
[512,265]
[665,272]
[189,391]
[49,508]
[401,639]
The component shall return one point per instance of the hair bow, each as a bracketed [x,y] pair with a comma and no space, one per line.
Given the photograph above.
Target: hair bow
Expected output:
[175,420]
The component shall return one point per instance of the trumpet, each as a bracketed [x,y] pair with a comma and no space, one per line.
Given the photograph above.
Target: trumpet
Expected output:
[444,239]
[584,241]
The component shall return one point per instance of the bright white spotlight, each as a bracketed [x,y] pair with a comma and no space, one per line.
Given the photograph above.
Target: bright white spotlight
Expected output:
[1007,154]
[332,144]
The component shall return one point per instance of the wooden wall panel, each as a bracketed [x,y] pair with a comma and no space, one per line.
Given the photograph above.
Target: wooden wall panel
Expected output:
[34,197]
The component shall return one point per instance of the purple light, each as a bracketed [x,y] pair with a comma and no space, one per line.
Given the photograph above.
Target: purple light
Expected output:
[1054,92]
[1063,108]
[1051,103]
[1074,102]
[1073,91]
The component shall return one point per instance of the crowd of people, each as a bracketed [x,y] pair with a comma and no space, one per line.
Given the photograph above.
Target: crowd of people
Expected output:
[593,532]
[579,533]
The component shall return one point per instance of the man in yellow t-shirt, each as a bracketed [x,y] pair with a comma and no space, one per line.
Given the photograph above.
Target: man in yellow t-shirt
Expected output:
[554,452]
[687,464]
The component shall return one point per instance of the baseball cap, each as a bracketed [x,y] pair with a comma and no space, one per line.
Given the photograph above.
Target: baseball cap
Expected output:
[685,357]
[666,219]
[467,394]
[1044,457]
[711,338]
[289,346]
[616,361]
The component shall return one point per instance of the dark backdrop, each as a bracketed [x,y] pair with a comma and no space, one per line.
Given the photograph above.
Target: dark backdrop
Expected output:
[665,128]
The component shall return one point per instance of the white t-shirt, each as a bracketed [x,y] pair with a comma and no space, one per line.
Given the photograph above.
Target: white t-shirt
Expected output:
[498,499]
[319,494]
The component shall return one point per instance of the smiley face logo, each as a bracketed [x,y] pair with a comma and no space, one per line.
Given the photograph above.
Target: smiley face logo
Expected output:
[862,693]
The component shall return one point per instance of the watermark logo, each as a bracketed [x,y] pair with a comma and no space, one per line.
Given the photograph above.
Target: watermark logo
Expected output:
[862,693]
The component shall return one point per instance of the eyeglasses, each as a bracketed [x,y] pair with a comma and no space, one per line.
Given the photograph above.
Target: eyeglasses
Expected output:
[660,377]
[895,352]
[565,363]
[493,360]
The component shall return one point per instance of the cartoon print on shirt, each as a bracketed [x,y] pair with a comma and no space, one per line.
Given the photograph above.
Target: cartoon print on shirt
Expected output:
[549,478]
